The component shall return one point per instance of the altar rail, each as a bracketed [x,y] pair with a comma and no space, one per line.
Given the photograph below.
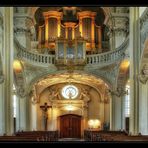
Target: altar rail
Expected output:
[102,59]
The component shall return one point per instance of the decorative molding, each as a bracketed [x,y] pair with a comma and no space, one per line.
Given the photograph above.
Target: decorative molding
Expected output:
[34,97]
[143,76]
[143,28]
[1,79]
[21,91]
[121,25]
[144,18]
[1,19]
[21,30]
[119,92]
[23,25]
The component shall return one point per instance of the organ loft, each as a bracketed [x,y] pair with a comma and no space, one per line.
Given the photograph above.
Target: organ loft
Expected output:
[71,33]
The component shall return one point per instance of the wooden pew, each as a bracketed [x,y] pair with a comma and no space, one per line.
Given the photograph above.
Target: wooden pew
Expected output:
[111,136]
[32,136]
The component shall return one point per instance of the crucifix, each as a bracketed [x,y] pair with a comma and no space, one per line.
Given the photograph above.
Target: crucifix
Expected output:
[45,108]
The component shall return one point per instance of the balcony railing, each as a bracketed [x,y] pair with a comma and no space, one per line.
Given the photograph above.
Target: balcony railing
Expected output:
[108,57]
[34,58]
[102,59]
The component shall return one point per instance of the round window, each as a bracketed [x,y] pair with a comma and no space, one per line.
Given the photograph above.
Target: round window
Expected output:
[70,92]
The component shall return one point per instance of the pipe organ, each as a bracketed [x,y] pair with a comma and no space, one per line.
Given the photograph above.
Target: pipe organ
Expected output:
[70,38]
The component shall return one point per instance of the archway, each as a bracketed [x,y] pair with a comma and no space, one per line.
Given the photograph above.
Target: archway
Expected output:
[92,101]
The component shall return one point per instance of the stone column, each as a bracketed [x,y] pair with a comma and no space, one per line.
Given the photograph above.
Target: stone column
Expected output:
[120,29]
[116,109]
[123,112]
[33,118]
[85,117]
[24,113]
[40,36]
[118,112]
[143,109]
[134,70]
[17,113]
[22,30]
[8,71]
[99,38]
[143,96]
[28,112]
[111,39]
[112,113]
[2,127]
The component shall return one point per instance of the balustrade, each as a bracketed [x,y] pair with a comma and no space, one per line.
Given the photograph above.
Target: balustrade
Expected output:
[97,59]
[108,57]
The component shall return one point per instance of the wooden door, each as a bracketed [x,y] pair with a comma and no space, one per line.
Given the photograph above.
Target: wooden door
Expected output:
[70,126]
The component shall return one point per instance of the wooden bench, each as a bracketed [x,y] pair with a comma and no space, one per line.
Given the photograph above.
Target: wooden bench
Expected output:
[111,136]
[32,136]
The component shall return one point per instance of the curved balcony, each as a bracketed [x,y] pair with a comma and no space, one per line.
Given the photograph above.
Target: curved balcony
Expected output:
[98,60]
[34,58]
[107,58]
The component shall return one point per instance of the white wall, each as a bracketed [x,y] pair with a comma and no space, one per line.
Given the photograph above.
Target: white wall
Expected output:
[141,10]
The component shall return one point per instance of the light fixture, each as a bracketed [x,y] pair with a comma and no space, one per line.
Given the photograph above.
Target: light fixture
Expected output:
[94,124]
[69,107]
[17,66]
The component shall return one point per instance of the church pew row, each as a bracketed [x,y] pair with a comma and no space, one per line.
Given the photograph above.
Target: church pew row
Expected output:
[17,138]
[52,135]
[111,136]
[32,136]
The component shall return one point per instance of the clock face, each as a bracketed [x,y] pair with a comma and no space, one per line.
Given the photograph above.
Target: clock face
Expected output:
[70,92]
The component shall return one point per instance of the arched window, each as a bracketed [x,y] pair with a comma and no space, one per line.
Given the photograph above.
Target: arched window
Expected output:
[14,102]
[127,102]
[70,92]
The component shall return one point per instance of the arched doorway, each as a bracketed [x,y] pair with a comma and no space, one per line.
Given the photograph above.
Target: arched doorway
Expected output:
[70,126]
